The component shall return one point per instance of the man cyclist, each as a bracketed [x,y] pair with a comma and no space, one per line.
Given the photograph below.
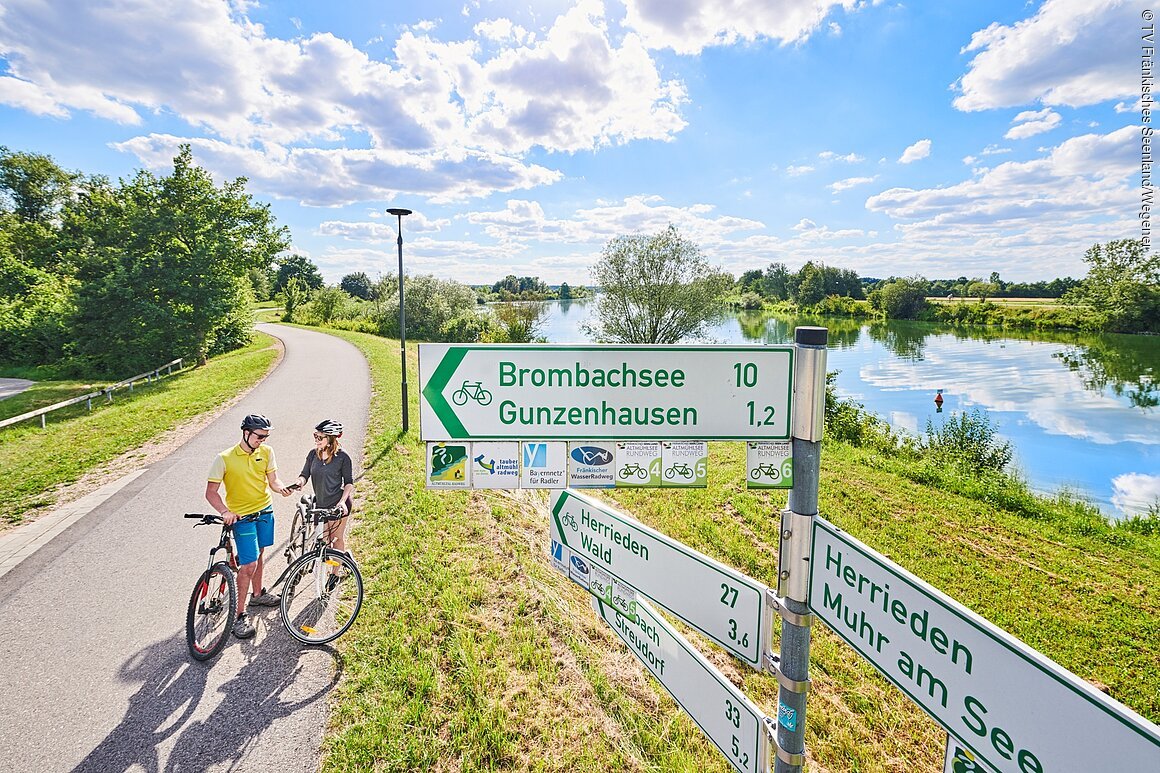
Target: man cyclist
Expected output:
[249,472]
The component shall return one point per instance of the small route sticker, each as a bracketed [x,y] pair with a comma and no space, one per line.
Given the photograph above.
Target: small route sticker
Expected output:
[768,464]
[447,465]
[786,717]
[495,465]
[685,463]
[544,464]
[638,464]
[591,464]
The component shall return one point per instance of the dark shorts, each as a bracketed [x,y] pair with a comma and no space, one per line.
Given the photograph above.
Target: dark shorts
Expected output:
[251,536]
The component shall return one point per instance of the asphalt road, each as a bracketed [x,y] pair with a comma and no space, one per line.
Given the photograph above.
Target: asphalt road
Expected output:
[94,670]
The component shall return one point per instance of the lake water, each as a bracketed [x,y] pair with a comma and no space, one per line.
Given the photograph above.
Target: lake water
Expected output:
[1080,410]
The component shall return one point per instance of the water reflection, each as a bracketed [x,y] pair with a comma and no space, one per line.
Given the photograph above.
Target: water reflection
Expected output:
[1083,411]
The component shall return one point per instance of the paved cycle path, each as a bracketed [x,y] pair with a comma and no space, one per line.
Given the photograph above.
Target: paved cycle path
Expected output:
[94,670]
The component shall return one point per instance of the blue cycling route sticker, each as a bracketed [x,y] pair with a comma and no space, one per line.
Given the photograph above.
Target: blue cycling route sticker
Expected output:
[786,717]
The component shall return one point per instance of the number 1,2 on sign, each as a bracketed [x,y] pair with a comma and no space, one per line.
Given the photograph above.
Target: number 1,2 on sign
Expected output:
[760,415]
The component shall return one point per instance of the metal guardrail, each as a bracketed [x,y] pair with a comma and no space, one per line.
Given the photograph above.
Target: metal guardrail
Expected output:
[107,393]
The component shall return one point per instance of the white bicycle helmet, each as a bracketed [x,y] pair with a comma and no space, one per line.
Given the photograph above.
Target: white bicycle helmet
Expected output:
[329,427]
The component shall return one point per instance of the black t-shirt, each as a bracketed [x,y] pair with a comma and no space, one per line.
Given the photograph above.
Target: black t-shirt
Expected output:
[328,478]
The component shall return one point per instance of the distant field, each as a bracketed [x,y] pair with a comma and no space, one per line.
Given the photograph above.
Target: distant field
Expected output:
[1039,302]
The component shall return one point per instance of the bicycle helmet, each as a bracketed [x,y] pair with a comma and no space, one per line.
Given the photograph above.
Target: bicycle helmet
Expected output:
[256,421]
[329,427]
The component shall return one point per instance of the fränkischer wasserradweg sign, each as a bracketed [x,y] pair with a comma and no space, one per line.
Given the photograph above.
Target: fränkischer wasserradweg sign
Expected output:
[595,392]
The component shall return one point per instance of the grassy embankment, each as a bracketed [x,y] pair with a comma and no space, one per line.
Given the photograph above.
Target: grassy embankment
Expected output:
[36,461]
[473,654]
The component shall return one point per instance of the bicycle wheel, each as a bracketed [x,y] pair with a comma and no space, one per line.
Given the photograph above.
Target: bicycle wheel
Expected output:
[321,597]
[297,544]
[211,612]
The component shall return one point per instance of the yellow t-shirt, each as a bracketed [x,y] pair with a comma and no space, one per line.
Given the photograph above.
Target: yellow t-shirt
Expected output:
[244,476]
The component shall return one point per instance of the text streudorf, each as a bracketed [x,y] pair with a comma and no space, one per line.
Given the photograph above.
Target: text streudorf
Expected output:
[608,412]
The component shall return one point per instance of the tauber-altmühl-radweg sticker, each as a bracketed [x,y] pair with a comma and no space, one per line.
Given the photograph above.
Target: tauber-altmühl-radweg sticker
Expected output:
[495,465]
[590,465]
[768,464]
[684,463]
[447,465]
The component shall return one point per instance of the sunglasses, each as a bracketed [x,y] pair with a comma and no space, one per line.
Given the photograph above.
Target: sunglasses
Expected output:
[259,436]
[319,437]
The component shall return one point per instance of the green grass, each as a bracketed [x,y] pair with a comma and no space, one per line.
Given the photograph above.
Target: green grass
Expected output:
[75,441]
[44,393]
[473,654]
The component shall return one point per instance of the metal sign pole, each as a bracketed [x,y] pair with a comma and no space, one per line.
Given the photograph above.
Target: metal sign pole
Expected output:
[792,665]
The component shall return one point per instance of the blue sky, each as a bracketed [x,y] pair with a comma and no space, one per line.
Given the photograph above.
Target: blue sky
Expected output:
[945,139]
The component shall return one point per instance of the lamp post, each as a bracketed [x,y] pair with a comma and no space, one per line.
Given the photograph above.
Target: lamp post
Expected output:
[399,213]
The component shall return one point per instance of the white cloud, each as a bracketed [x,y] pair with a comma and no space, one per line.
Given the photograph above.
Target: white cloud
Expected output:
[449,105]
[689,27]
[850,182]
[1134,492]
[915,152]
[1072,52]
[335,177]
[797,170]
[849,158]
[1032,122]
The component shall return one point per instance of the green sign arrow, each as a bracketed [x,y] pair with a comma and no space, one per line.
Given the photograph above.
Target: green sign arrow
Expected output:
[434,392]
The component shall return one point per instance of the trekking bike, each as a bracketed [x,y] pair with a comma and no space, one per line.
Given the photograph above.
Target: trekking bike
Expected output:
[768,470]
[322,588]
[679,468]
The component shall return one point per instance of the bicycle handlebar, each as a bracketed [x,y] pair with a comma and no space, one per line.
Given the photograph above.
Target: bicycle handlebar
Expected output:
[215,518]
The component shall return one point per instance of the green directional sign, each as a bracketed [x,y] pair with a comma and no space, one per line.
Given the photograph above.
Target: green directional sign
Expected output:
[536,392]
[1012,709]
[723,713]
[717,600]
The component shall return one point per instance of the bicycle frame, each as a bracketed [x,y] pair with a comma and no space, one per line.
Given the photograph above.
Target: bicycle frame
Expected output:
[319,545]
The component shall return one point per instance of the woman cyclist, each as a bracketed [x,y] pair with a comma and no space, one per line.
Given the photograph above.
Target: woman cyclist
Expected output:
[332,474]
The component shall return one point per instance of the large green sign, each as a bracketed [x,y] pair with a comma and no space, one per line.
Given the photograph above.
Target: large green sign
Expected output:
[605,392]
[717,600]
[1016,711]
[724,714]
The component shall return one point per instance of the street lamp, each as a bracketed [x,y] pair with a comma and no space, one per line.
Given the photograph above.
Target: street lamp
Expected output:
[399,213]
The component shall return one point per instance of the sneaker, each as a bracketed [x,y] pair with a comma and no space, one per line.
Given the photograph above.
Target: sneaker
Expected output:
[243,628]
[267,599]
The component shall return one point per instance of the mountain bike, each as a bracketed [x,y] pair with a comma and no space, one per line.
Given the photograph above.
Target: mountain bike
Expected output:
[322,588]
[214,601]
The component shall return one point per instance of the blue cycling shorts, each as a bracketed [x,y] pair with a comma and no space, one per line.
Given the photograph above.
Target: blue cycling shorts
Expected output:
[251,536]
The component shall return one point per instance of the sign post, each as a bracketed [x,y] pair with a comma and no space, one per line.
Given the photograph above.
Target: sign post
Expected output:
[792,663]
[541,392]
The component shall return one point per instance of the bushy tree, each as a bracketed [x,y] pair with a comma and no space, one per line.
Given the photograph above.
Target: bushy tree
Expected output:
[433,308]
[163,266]
[900,298]
[656,289]
[357,285]
[810,287]
[518,323]
[297,266]
[1122,288]
[326,302]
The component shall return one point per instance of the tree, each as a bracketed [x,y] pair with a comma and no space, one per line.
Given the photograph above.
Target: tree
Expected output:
[295,294]
[297,266]
[163,265]
[777,282]
[810,288]
[326,302]
[982,290]
[900,298]
[565,291]
[357,285]
[518,323]
[1122,288]
[656,289]
[433,307]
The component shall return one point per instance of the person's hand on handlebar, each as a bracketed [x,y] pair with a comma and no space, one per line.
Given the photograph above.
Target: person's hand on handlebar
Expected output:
[229,517]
